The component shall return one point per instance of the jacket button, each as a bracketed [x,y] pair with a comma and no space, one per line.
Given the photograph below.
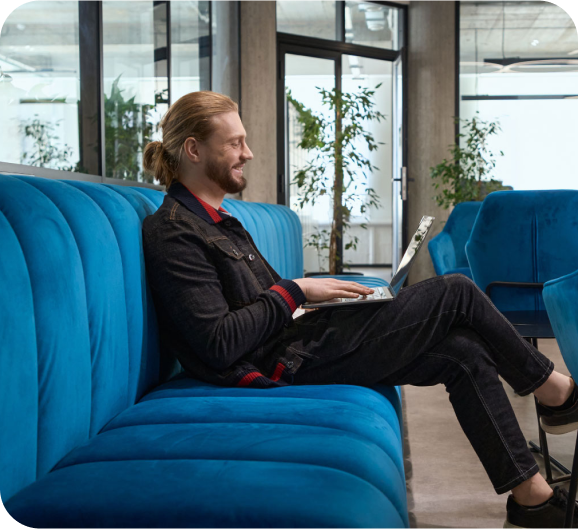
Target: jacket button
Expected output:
[227,223]
[251,257]
[235,252]
[289,365]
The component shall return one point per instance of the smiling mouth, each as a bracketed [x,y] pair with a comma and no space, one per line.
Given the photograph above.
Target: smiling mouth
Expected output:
[239,169]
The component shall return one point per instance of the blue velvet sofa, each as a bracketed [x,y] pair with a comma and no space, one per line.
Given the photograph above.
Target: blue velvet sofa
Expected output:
[98,430]
[448,248]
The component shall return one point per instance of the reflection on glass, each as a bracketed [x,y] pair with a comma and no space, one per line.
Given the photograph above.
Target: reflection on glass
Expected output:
[315,18]
[398,161]
[302,76]
[134,99]
[372,24]
[225,32]
[375,242]
[190,47]
[519,65]
[39,91]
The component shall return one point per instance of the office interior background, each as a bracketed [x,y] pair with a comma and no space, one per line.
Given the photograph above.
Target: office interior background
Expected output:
[83,86]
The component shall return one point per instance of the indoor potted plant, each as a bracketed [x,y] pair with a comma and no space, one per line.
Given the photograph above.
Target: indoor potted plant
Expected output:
[337,169]
[468,174]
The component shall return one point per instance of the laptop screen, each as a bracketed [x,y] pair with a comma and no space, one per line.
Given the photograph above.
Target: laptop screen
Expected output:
[409,255]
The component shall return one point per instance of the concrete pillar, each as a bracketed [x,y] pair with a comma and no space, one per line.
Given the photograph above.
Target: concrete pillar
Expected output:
[431,107]
[258,100]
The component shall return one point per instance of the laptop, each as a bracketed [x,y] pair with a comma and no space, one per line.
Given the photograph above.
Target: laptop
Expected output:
[390,292]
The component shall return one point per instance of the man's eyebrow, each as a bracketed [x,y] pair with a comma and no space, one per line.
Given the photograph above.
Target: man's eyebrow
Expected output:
[237,137]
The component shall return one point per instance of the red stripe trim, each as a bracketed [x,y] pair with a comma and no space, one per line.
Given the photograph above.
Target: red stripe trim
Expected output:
[286,296]
[278,372]
[247,379]
[208,208]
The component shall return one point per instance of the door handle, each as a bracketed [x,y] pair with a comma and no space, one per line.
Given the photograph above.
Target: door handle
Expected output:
[404,180]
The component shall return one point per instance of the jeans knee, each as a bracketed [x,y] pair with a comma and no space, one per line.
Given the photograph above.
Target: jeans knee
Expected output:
[468,350]
[460,280]
[462,284]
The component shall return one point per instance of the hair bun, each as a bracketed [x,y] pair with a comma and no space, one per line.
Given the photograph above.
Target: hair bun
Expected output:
[151,154]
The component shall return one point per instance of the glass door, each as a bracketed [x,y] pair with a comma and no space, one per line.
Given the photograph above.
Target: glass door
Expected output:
[377,230]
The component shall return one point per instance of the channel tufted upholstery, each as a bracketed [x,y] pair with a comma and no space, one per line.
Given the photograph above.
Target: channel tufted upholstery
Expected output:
[95,431]
[448,248]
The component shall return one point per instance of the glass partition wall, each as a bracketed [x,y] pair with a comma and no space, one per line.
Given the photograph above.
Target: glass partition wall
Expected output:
[519,66]
[40,86]
[361,48]
[83,85]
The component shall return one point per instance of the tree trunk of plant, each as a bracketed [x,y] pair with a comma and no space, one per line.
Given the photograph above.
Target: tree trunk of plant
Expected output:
[335,264]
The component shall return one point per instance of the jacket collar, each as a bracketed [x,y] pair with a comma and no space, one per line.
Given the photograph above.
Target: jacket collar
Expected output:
[193,203]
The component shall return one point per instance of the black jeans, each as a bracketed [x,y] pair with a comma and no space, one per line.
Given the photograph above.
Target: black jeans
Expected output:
[443,330]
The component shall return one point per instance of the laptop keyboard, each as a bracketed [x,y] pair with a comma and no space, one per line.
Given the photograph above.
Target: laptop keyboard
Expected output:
[378,294]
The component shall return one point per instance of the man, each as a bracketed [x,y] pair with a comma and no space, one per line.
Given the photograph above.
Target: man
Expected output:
[227,315]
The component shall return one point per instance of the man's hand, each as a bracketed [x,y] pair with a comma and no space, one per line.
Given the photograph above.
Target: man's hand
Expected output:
[324,289]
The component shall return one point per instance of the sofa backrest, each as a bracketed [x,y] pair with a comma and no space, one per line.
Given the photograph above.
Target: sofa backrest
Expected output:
[459,227]
[78,335]
[277,234]
[78,332]
[525,236]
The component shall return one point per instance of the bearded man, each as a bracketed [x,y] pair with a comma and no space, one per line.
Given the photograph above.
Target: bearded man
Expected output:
[228,316]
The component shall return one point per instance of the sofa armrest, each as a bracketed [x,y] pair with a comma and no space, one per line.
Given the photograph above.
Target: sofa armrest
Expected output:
[442,252]
[561,300]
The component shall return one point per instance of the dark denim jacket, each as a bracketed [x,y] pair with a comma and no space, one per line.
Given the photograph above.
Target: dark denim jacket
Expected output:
[222,309]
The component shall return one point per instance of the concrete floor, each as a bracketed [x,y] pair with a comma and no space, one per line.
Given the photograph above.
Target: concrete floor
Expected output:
[448,485]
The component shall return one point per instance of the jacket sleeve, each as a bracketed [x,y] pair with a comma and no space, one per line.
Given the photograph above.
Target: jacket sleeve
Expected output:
[187,289]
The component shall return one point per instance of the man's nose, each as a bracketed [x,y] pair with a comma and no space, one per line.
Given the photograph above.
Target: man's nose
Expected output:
[247,154]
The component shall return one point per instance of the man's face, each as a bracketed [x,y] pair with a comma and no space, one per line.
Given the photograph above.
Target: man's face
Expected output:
[226,152]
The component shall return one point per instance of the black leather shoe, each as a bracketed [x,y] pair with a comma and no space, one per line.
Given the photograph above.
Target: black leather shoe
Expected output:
[549,514]
[560,421]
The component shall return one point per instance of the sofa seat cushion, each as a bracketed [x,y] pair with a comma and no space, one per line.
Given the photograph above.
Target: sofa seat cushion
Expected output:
[251,442]
[331,414]
[202,493]
[464,271]
[382,399]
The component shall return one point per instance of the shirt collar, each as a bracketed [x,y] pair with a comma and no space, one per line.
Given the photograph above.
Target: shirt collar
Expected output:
[193,203]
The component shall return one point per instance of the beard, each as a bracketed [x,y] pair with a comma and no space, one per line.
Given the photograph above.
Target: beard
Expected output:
[221,175]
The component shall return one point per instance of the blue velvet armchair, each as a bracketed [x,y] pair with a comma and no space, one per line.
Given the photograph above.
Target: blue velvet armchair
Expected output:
[523,237]
[447,249]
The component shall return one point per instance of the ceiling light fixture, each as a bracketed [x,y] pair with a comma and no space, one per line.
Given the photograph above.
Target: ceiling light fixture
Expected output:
[531,65]
[375,18]
[4,77]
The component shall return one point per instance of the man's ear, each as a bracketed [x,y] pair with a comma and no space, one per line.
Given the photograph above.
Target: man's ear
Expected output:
[191,148]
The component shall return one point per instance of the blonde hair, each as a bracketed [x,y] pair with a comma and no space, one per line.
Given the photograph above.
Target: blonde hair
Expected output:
[189,116]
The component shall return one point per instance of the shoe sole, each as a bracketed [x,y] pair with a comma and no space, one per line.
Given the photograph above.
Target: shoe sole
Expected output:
[558,430]
[509,525]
